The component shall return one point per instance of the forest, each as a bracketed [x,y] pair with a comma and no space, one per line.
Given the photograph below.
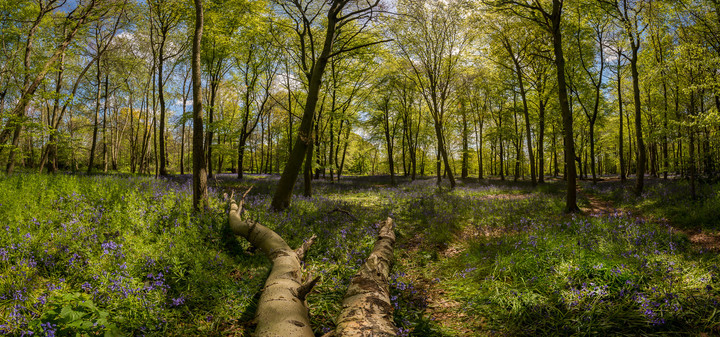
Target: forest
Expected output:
[359,167]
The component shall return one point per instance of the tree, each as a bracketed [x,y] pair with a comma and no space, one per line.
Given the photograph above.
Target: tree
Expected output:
[595,73]
[166,17]
[432,37]
[200,193]
[516,48]
[384,115]
[75,20]
[551,21]
[257,68]
[629,12]
[303,15]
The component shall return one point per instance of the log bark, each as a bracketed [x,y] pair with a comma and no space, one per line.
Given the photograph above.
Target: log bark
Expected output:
[367,310]
[282,310]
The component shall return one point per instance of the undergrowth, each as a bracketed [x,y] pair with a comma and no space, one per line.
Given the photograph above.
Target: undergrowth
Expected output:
[125,255]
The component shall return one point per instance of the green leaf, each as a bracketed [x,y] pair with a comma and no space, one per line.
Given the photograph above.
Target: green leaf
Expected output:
[67,314]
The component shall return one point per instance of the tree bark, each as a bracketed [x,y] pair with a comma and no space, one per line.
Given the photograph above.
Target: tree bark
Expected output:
[93,145]
[465,151]
[367,310]
[541,142]
[200,192]
[161,98]
[621,141]
[640,166]
[571,178]
[282,310]
[283,192]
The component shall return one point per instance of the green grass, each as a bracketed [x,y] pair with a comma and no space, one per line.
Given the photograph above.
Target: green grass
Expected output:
[118,254]
[667,199]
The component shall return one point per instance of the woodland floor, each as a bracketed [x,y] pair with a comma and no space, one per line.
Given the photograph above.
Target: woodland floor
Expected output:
[487,258]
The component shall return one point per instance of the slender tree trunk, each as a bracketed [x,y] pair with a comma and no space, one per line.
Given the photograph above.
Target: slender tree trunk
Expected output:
[210,132]
[592,151]
[283,192]
[478,144]
[333,153]
[691,162]
[571,195]
[516,142]
[621,141]
[95,120]
[640,167]
[200,192]
[389,138]
[556,172]
[104,127]
[241,156]
[161,98]
[541,142]
[342,162]
[184,121]
[443,151]
[526,113]
[50,151]
[307,186]
[465,150]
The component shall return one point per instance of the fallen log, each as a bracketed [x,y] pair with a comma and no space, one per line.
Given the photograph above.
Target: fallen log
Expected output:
[282,310]
[367,310]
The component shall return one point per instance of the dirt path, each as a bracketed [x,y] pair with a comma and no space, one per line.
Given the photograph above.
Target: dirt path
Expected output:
[448,314]
[702,239]
[442,311]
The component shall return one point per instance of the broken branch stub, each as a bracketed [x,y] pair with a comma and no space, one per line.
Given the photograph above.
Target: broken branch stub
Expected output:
[367,310]
[282,310]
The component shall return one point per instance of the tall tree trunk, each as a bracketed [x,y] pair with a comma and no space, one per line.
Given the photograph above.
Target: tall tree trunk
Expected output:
[210,132]
[517,142]
[50,150]
[104,127]
[389,141]
[478,145]
[541,142]
[184,121]
[639,182]
[465,150]
[691,160]
[200,192]
[342,161]
[443,152]
[526,113]
[283,192]
[93,145]
[571,192]
[621,140]
[161,98]
[556,172]
[241,157]
[307,186]
[333,153]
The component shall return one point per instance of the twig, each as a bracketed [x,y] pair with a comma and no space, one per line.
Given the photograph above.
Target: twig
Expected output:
[340,210]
